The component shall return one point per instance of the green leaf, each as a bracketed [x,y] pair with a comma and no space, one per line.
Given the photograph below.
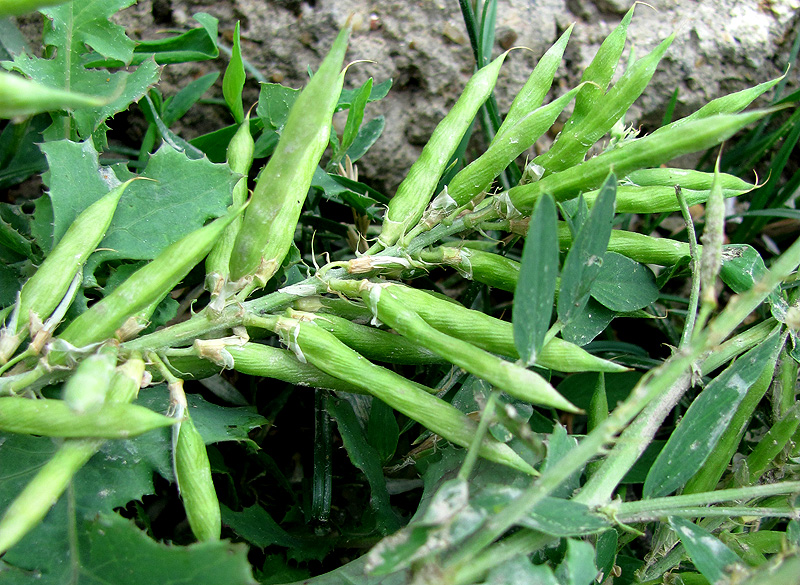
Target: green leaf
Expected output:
[711,557]
[624,284]
[214,423]
[175,108]
[167,135]
[697,434]
[383,431]
[536,285]
[84,22]
[486,41]
[606,552]
[120,472]
[74,182]
[742,267]
[151,215]
[585,257]
[355,115]
[115,551]
[274,103]
[588,324]
[378,92]
[257,527]
[368,134]
[74,28]
[366,458]
[197,44]
[520,570]
[558,446]
[577,568]
[233,80]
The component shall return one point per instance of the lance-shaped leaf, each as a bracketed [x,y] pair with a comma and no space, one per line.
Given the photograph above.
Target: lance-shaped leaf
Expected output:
[712,558]
[585,257]
[706,419]
[536,286]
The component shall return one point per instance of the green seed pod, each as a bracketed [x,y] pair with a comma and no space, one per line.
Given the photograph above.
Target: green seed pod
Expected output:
[639,247]
[414,193]
[685,179]
[53,418]
[256,359]
[487,267]
[86,389]
[269,223]
[372,343]
[600,72]
[20,97]
[729,104]
[532,94]
[477,176]
[488,333]
[712,238]
[330,355]
[126,381]
[344,308]
[148,284]
[576,139]
[42,293]
[32,504]
[634,199]
[514,379]
[196,487]
[650,151]
[240,157]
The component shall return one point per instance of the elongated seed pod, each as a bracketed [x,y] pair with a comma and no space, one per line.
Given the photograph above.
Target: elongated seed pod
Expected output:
[347,309]
[685,179]
[632,199]
[148,284]
[86,389]
[21,97]
[372,343]
[649,151]
[330,355]
[712,238]
[488,333]
[256,359]
[532,94]
[45,289]
[576,139]
[728,104]
[193,473]
[477,176]
[31,505]
[516,380]
[269,223]
[487,267]
[53,418]
[600,72]
[416,190]
[240,157]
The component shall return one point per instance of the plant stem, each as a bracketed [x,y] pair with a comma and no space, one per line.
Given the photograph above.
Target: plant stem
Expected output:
[694,296]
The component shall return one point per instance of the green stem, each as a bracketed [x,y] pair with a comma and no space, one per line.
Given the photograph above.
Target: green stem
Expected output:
[483,426]
[664,505]
[523,542]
